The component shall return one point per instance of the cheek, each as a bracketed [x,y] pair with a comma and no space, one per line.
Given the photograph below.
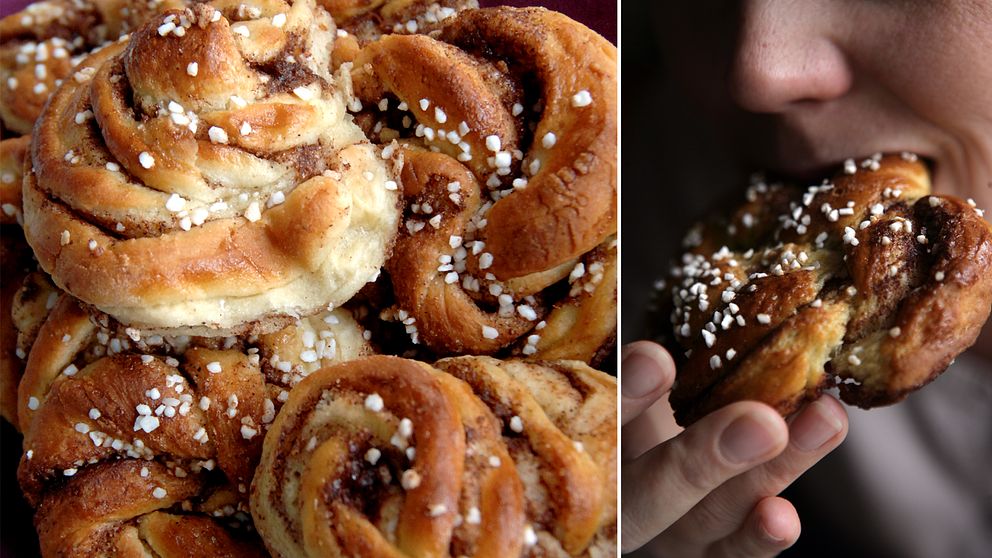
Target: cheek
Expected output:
[936,64]
[956,103]
[965,171]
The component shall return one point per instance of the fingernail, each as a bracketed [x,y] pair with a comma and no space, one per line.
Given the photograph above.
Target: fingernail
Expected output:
[815,425]
[745,440]
[767,534]
[640,374]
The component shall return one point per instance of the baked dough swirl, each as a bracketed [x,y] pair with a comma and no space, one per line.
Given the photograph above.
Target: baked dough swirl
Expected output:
[509,121]
[118,452]
[566,452]
[867,280]
[203,178]
[392,457]
[41,45]
[133,439]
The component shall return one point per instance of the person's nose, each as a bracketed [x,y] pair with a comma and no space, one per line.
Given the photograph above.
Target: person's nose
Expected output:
[786,56]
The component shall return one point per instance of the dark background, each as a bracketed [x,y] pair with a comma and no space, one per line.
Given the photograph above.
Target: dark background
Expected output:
[675,165]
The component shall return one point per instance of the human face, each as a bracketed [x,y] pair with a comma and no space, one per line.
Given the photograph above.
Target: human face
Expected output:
[811,83]
[833,79]
[802,85]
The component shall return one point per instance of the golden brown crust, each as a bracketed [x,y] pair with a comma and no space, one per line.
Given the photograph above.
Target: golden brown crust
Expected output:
[564,450]
[213,184]
[496,492]
[112,509]
[583,325]
[174,535]
[937,320]
[116,386]
[77,523]
[867,279]
[570,202]
[41,45]
[582,403]
[83,403]
[88,450]
[518,108]
[350,462]
[317,483]
[446,318]
[62,317]
[475,74]
[787,369]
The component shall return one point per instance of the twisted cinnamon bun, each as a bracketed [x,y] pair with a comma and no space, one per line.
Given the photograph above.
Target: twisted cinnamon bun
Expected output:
[154,440]
[41,45]
[202,177]
[388,457]
[507,125]
[866,280]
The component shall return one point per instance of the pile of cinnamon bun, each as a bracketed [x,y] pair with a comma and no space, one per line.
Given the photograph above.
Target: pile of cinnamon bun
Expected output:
[309,279]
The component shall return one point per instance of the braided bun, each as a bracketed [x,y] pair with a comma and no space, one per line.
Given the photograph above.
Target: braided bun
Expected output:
[41,45]
[133,429]
[388,457]
[206,179]
[104,477]
[507,124]
[867,280]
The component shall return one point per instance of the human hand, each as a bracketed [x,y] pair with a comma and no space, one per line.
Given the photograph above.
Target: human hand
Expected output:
[710,490]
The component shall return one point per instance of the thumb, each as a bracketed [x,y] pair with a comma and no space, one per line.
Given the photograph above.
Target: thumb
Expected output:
[646,373]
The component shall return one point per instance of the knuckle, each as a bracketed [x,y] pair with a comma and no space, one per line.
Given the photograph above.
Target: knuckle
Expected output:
[695,467]
[633,536]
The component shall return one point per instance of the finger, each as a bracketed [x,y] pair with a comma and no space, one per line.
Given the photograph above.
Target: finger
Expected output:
[813,433]
[772,526]
[665,483]
[654,426]
[646,372]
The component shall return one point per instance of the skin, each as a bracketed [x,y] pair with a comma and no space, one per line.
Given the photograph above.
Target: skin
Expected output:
[710,490]
[807,85]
